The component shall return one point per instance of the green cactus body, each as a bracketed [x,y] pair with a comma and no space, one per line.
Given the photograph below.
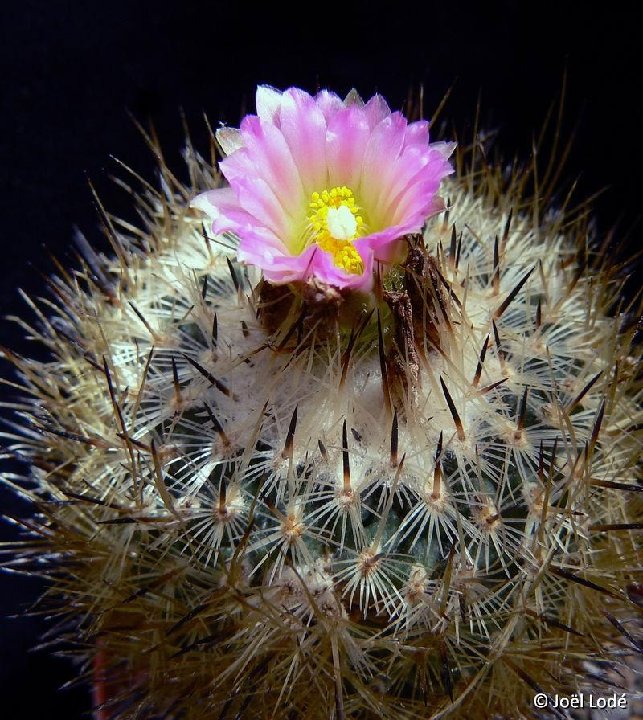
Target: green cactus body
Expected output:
[274,502]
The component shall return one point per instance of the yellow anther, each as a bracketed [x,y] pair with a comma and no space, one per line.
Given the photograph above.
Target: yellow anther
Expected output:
[349,259]
[334,223]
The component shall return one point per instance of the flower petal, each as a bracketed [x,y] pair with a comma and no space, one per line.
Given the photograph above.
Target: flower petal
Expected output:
[406,176]
[258,199]
[229,139]
[353,98]
[268,103]
[323,268]
[346,140]
[281,267]
[329,103]
[219,205]
[384,146]
[304,127]
[417,134]
[376,109]
[267,155]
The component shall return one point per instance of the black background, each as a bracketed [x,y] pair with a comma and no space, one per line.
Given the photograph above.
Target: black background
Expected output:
[72,72]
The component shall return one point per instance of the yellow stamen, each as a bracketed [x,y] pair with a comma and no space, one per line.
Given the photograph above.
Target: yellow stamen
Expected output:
[334,222]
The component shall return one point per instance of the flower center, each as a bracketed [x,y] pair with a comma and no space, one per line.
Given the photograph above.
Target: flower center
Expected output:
[334,223]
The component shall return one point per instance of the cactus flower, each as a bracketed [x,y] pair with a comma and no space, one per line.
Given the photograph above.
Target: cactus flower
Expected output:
[323,188]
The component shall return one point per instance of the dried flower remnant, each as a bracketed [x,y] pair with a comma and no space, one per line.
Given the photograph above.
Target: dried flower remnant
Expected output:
[323,188]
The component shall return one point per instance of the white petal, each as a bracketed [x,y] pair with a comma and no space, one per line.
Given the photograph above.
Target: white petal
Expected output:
[268,103]
[229,139]
[201,202]
[444,148]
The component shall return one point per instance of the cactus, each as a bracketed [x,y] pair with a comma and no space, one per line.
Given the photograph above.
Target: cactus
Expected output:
[293,499]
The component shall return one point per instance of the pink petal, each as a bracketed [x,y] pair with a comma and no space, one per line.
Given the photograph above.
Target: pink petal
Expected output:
[346,140]
[384,145]
[387,244]
[417,134]
[405,176]
[304,127]
[218,205]
[376,109]
[278,267]
[267,153]
[414,204]
[329,103]
[258,200]
[323,268]
[226,215]
[417,197]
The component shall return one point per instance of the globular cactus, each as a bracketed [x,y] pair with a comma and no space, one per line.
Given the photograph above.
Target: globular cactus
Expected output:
[407,492]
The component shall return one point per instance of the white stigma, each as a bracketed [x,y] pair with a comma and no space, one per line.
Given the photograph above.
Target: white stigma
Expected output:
[341,223]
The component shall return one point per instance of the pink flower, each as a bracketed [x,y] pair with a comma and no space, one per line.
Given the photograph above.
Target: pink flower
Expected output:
[322,188]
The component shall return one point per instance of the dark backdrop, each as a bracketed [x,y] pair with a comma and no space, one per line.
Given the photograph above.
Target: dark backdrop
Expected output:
[70,72]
